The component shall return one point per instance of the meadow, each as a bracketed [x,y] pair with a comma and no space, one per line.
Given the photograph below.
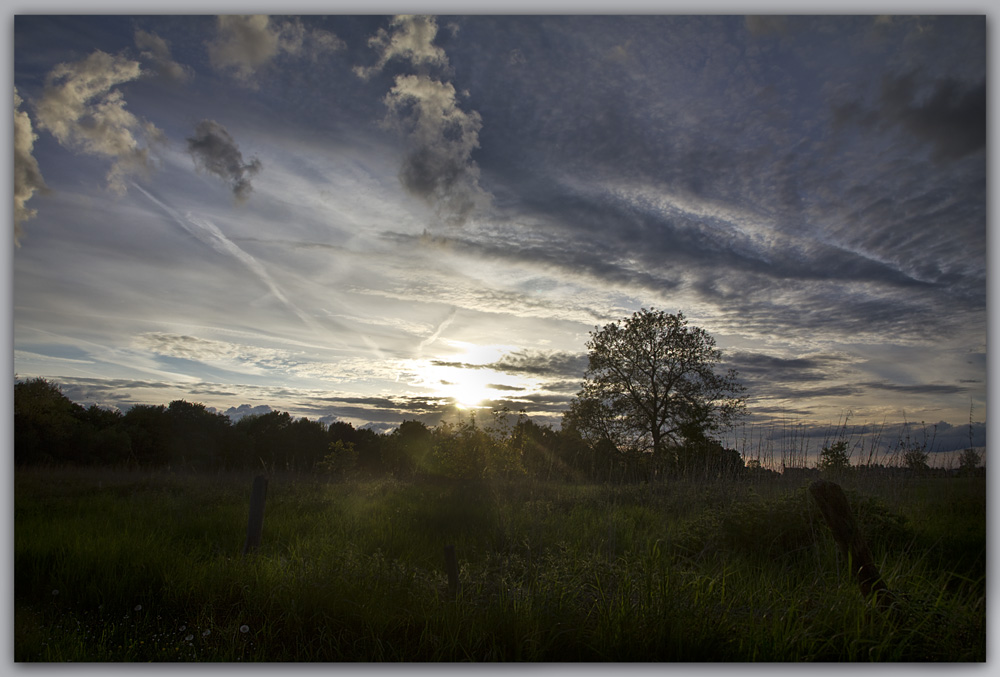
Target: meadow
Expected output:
[118,565]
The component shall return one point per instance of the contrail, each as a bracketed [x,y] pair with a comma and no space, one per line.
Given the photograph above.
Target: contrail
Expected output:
[437,332]
[209,233]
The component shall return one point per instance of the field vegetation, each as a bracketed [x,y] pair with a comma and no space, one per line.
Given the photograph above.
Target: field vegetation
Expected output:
[146,565]
[629,534]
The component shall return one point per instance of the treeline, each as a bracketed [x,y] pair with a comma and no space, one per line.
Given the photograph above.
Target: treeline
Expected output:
[51,429]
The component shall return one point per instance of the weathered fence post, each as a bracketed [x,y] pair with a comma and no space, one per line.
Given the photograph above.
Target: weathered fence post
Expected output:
[255,525]
[837,513]
[451,567]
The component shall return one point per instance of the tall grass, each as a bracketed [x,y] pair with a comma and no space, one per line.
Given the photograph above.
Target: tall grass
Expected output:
[147,567]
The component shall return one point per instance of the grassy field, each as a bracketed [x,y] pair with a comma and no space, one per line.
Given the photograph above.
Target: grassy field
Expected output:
[143,566]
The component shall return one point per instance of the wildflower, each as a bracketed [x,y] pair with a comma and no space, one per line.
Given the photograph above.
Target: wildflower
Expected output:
[138,607]
[55,592]
[206,633]
[183,628]
[189,638]
[244,629]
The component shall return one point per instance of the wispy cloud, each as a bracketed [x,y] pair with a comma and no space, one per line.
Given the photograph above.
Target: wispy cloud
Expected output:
[437,331]
[207,232]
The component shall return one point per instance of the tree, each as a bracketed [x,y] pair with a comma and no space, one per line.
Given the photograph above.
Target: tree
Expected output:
[407,448]
[916,460]
[652,386]
[834,459]
[968,462]
[47,424]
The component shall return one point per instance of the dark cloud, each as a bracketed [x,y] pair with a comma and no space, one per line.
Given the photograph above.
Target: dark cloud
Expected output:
[918,389]
[952,117]
[781,391]
[215,152]
[534,362]
[948,114]
[543,363]
[758,366]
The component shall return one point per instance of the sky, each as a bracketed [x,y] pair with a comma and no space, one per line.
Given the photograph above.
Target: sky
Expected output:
[378,218]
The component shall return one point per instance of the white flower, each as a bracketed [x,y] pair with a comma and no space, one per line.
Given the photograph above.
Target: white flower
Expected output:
[206,633]
[183,628]
[244,629]
[189,638]
[138,607]
[55,592]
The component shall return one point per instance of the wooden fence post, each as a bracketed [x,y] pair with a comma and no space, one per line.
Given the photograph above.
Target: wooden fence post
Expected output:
[837,513]
[451,567]
[255,525]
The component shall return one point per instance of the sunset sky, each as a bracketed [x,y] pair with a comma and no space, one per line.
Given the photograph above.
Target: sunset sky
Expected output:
[374,219]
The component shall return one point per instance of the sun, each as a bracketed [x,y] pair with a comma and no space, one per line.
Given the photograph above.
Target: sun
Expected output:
[467,377]
[470,389]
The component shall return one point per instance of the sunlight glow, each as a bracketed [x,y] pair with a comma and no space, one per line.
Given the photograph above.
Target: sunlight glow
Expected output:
[466,377]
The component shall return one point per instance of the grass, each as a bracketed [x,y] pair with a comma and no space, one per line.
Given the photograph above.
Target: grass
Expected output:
[148,568]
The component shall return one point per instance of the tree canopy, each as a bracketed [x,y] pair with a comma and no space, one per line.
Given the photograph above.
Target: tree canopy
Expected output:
[652,386]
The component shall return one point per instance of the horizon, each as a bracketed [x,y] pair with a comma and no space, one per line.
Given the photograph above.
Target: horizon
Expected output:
[374,219]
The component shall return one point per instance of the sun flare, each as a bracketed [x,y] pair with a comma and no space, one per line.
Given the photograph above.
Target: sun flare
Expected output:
[468,378]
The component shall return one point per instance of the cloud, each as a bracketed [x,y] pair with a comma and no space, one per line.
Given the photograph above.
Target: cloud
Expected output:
[81,108]
[215,152]
[543,363]
[236,413]
[919,389]
[156,49]
[412,39]
[438,165]
[209,233]
[766,25]
[244,45]
[437,332]
[769,368]
[27,176]
[440,136]
[947,114]
[533,362]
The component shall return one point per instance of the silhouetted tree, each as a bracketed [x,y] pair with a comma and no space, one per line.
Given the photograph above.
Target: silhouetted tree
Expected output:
[968,461]
[103,436]
[834,459]
[197,437]
[408,448]
[307,445]
[651,386]
[270,439]
[148,429]
[47,424]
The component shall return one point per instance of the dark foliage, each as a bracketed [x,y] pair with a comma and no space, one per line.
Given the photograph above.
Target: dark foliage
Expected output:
[51,429]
